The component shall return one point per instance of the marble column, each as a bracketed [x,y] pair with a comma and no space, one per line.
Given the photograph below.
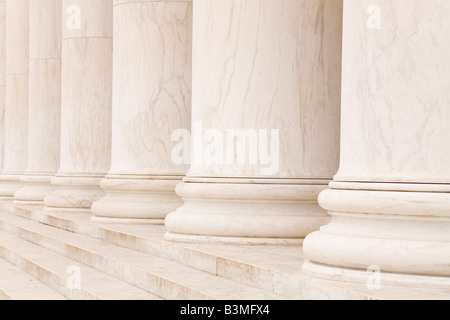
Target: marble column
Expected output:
[2,77]
[44,101]
[390,200]
[151,99]
[16,105]
[266,93]
[86,85]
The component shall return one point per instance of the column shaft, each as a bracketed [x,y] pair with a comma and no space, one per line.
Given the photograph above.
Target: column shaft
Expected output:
[44,101]
[151,99]
[265,130]
[16,108]
[2,78]
[85,104]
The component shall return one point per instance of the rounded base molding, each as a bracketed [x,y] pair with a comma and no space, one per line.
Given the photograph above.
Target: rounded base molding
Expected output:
[35,188]
[137,199]
[372,278]
[246,212]
[78,192]
[9,184]
[399,229]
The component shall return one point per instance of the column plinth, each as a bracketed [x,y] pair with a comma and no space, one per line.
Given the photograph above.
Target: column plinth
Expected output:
[136,199]
[16,108]
[401,229]
[9,184]
[74,193]
[247,211]
[35,188]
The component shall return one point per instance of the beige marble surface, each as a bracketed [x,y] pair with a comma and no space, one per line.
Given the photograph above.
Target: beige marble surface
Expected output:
[268,64]
[390,200]
[261,65]
[151,99]
[152,85]
[16,108]
[2,77]
[85,105]
[44,100]
[87,90]
[395,93]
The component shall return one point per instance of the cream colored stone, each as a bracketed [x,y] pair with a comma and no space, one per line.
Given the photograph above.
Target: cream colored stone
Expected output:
[18,285]
[151,99]
[390,200]
[44,101]
[148,274]
[2,77]
[86,105]
[262,65]
[16,107]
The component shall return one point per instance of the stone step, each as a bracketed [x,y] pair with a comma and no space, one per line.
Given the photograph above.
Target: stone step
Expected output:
[15,284]
[57,271]
[270,268]
[164,278]
[317,289]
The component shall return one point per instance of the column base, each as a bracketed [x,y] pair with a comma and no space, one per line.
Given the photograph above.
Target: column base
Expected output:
[246,211]
[402,230]
[35,188]
[367,279]
[73,192]
[9,184]
[136,199]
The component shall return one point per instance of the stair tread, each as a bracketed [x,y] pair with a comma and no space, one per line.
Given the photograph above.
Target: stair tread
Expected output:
[18,285]
[99,284]
[286,261]
[270,268]
[63,241]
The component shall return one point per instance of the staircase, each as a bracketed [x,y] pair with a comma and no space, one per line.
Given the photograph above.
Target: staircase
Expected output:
[52,256]
[59,256]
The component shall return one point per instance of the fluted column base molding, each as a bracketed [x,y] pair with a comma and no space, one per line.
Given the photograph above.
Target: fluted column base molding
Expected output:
[35,188]
[9,184]
[246,211]
[137,199]
[74,193]
[402,230]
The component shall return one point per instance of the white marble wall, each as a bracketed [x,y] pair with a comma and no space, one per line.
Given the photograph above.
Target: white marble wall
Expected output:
[86,103]
[270,65]
[151,99]
[390,200]
[16,108]
[44,101]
